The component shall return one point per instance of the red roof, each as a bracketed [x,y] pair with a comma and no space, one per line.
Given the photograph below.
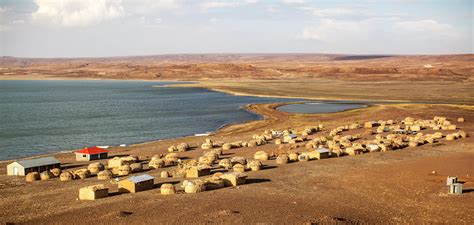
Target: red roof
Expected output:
[92,150]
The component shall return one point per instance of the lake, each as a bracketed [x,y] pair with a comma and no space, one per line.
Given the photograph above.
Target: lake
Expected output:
[320,107]
[38,117]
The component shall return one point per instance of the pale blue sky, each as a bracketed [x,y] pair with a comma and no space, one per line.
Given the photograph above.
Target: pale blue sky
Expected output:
[83,28]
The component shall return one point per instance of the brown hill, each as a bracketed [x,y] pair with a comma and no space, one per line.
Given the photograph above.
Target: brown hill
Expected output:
[458,68]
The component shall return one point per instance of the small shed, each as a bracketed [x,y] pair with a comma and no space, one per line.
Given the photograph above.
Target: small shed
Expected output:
[92,153]
[320,153]
[23,167]
[136,183]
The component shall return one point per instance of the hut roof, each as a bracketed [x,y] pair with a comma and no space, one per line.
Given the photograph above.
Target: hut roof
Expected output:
[293,135]
[141,178]
[92,150]
[322,150]
[29,163]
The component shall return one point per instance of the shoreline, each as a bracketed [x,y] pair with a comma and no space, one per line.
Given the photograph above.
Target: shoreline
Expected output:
[248,108]
[237,93]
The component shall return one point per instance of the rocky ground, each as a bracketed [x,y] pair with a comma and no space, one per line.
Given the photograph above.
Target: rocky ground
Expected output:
[401,186]
[454,68]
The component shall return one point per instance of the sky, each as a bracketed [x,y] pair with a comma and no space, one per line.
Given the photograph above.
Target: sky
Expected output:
[98,28]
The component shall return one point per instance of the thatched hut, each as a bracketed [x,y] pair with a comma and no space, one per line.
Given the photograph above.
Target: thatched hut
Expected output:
[156,163]
[450,137]
[46,175]
[105,175]
[261,155]
[56,172]
[136,167]
[226,146]
[198,171]
[164,174]
[206,146]
[373,148]
[93,192]
[353,151]
[212,155]
[94,168]
[282,159]
[124,170]
[115,162]
[254,165]
[171,157]
[182,147]
[238,168]
[225,163]
[203,160]
[233,178]
[81,174]
[66,175]
[303,157]
[193,186]
[172,148]
[32,176]
[238,159]
[214,183]
[293,156]
[167,189]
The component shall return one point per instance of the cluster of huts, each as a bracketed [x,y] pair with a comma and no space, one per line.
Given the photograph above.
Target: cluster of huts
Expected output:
[390,135]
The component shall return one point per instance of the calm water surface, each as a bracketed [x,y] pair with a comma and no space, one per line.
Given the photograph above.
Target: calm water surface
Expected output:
[320,107]
[39,117]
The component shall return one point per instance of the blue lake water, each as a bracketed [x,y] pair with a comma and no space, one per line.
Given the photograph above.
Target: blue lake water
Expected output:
[320,107]
[38,117]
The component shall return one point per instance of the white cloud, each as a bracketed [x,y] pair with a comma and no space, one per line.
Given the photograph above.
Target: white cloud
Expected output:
[225,4]
[328,29]
[3,10]
[422,26]
[272,9]
[153,4]
[77,12]
[294,2]
[330,12]
[166,4]
[4,24]
[383,35]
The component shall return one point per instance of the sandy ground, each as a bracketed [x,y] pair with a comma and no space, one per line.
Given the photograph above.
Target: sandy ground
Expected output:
[391,91]
[402,186]
[391,187]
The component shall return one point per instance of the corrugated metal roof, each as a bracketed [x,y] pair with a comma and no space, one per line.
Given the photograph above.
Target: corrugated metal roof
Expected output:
[29,163]
[141,178]
[322,150]
[293,135]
